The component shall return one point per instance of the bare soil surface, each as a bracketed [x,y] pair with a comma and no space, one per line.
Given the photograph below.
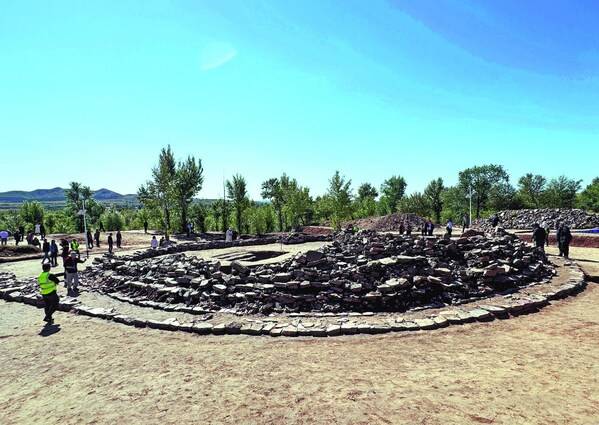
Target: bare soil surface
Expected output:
[537,369]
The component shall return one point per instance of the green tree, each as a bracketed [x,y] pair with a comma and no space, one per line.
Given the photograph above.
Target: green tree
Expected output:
[32,212]
[433,194]
[339,195]
[197,215]
[188,182]
[416,203]
[75,196]
[366,190]
[531,188]
[484,181]
[455,204]
[237,193]
[272,190]
[113,220]
[158,193]
[589,198]
[561,192]
[365,204]
[392,190]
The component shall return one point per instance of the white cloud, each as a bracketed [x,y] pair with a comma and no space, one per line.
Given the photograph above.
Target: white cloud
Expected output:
[216,54]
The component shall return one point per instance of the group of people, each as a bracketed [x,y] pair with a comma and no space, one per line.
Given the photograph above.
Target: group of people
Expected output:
[48,281]
[19,235]
[540,236]
[110,240]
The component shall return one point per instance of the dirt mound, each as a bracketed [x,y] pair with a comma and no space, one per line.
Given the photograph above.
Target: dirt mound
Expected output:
[387,223]
[317,230]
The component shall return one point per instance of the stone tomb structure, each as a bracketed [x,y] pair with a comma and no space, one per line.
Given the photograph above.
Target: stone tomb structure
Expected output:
[360,283]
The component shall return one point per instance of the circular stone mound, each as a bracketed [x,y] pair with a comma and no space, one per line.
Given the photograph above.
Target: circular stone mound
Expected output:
[363,272]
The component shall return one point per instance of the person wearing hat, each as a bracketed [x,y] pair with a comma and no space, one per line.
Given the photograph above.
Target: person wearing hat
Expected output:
[71,274]
[48,282]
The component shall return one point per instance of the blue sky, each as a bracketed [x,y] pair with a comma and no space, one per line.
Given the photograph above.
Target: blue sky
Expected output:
[91,92]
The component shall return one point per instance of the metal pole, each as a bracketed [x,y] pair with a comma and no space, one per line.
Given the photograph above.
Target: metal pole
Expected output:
[85,231]
[470,220]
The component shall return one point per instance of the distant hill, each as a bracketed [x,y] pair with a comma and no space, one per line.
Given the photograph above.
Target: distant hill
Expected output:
[57,195]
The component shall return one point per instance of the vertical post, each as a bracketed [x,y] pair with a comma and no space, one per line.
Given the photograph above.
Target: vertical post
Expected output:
[85,232]
[470,219]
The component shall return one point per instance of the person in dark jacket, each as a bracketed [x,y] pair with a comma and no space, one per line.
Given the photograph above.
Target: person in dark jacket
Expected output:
[17,237]
[431,227]
[145,226]
[119,238]
[90,239]
[71,274]
[402,228]
[97,238]
[46,251]
[110,243]
[564,237]
[53,253]
[539,236]
[495,220]
[409,229]
[22,232]
[47,283]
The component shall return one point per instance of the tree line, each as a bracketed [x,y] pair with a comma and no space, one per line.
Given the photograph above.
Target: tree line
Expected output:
[168,201]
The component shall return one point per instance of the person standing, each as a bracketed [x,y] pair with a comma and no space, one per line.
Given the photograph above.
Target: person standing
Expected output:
[110,243]
[402,228]
[75,247]
[539,237]
[409,229]
[464,222]
[17,237]
[53,253]
[3,237]
[97,238]
[46,251]
[423,229]
[431,227]
[89,239]
[71,274]
[22,233]
[154,242]
[42,231]
[47,283]
[101,227]
[495,220]
[119,238]
[37,229]
[449,227]
[564,237]
[547,232]
[146,226]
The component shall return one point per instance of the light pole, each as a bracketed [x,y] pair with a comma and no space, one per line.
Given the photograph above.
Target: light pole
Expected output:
[82,212]
[470,219]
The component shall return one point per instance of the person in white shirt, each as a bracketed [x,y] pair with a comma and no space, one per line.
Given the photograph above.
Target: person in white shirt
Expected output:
[154,242]
[229,235]
[449,227]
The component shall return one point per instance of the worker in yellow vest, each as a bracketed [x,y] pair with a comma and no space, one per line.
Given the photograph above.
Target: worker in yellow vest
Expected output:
[48,282]
[75,246]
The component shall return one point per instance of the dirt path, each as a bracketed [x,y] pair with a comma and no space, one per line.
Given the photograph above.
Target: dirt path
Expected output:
[537,369]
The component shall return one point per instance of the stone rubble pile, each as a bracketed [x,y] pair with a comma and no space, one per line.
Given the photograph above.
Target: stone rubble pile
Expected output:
[287,239]
[525,219]
[358,272]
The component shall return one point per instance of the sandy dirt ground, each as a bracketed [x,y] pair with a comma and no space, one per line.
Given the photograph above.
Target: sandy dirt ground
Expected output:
[537,369]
